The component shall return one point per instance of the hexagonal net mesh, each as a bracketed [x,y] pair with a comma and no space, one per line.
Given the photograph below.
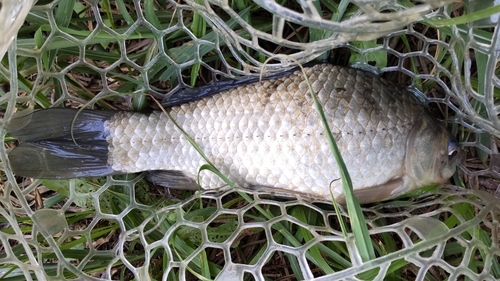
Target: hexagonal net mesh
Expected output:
[106,55]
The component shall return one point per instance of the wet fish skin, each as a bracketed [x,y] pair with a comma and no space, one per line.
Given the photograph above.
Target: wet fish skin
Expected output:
[268,134]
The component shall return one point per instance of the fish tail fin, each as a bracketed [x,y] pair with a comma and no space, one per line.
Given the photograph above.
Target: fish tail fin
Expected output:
[60,143]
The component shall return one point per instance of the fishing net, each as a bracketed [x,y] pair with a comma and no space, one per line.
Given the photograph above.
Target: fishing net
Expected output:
[108,54]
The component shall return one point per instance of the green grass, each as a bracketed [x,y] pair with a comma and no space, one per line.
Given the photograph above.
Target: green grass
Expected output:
[43,77]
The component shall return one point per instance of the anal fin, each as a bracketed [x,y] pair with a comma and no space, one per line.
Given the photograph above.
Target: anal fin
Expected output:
[171,179]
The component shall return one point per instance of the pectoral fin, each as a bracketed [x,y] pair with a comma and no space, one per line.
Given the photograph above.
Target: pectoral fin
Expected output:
[172,179]
[375,193]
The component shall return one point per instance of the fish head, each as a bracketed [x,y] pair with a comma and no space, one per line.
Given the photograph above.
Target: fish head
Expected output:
[432,155]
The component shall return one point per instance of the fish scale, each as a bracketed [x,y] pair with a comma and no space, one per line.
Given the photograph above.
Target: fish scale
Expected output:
[264,134]
[273,131]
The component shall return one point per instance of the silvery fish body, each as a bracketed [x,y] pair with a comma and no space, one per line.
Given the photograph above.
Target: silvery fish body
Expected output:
[265,134]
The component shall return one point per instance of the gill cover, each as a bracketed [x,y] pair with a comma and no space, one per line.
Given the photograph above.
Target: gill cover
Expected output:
[431,154]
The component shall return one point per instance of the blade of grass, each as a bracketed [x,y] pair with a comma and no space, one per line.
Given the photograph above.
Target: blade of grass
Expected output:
[379,57]
[199,28]
[205,268]
[295,266]
[106,6]
[481,14]
[358,223]
[124,12]
[484,138]
[299,213]
[150,13]
[186,51]
[64,12]
[63,16]
[316,34]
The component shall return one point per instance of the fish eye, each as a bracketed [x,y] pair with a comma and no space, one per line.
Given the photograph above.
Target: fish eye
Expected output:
[453,148]
[453,153]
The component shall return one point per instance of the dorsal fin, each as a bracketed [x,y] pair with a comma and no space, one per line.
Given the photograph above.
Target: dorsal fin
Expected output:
[193,94]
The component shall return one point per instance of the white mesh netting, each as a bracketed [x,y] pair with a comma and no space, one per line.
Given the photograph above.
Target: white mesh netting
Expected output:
[68,53]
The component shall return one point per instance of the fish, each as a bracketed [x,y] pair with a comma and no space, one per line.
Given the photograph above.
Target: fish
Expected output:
[258,133]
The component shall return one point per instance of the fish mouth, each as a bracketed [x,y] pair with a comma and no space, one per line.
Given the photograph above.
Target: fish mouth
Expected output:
[451,167]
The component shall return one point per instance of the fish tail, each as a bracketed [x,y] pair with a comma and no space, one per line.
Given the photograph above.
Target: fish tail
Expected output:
[60,143]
